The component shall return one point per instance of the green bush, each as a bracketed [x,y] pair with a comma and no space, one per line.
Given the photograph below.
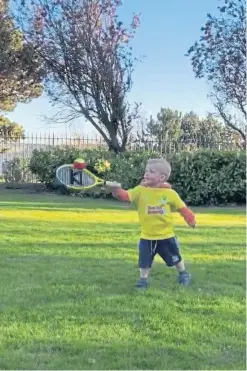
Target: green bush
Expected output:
[126,167]
[210,177]
[16,171]
[201,178]
[43,163]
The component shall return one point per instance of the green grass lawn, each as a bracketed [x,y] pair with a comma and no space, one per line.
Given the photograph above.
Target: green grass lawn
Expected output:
[68,298]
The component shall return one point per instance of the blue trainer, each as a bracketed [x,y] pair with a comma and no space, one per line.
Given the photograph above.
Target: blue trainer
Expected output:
[142,283]
[184,278]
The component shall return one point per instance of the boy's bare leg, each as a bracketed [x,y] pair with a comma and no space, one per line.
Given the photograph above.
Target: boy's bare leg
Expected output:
[143,283]
[144,272]
[180,266]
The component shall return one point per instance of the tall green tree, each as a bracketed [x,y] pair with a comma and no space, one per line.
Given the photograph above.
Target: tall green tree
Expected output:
[9,132]
[190,126]
[10,129]
[213,134]
[21,72]
[220,58]
[166,126]
[174,130]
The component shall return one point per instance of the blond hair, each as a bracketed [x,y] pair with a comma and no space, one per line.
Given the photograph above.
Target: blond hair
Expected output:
[162,166]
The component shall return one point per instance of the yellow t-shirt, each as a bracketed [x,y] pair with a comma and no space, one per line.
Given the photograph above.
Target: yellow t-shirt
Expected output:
[154,206]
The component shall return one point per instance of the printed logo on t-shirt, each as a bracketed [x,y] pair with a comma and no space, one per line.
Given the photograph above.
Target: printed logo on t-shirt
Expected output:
[159,209]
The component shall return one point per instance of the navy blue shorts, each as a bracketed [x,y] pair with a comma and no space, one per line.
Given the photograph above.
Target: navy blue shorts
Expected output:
[167,249]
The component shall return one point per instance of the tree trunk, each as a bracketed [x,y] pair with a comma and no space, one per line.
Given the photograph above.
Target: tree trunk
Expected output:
[114,144]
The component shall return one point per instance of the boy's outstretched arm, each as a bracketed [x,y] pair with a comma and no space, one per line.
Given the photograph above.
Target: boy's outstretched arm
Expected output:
[188,216]
[120,194]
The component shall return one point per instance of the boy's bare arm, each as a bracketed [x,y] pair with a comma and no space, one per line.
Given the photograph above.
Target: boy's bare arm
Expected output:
[120,194]
[188,216]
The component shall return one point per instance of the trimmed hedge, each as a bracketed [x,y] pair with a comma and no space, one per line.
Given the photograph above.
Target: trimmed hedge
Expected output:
[201,178]
[210,177]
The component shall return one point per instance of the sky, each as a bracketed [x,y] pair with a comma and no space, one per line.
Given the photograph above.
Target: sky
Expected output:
[164,78]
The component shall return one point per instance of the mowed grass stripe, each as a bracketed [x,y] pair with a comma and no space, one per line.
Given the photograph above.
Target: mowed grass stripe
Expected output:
[68,299]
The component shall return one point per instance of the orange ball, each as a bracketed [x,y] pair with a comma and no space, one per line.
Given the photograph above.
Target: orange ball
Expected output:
[79,164]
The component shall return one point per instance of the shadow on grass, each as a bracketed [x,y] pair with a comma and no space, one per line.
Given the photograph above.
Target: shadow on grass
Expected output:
[69,206]
[66,312]
[218,248]
[69,227]
[120,355]
[111,275]
[10,199]
[105,323]
[54,202]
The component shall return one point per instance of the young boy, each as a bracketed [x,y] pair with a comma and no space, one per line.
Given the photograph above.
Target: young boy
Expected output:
[155,201]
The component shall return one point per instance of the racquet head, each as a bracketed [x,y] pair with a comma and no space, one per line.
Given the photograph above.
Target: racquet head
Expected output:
[77,180]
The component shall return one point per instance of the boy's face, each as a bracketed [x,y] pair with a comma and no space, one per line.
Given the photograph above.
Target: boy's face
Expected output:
[153,177]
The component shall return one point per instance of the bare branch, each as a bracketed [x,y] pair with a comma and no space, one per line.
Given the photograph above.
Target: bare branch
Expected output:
[220,57]
[88,58]
[229,119]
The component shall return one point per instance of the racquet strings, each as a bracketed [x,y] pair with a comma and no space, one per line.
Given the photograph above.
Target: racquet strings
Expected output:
[80,178]
[86,179]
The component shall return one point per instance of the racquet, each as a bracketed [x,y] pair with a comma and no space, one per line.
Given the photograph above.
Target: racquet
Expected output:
[79,180]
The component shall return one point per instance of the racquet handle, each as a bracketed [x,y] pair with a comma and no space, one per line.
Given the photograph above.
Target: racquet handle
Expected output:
[113,184]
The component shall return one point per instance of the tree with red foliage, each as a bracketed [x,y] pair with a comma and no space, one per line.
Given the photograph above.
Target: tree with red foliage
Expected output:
[220,58]
[88,58]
